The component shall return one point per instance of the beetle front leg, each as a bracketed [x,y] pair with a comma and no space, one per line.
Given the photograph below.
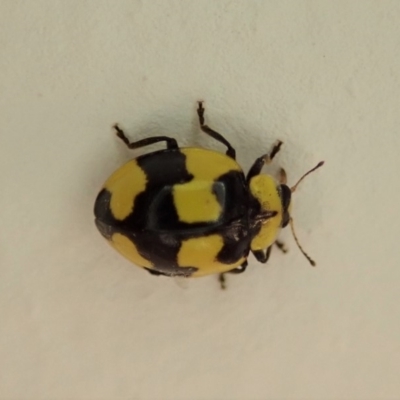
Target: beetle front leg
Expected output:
[281,246]
[261,255]
[263,160]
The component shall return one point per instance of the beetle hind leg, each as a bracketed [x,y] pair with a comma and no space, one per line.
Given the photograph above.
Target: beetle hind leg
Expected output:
[231,152]
[171,143]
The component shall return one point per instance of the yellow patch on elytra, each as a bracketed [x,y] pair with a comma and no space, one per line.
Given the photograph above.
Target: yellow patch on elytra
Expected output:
[127,248]
[124,185]
[263,188]
[208,165]
[201,253]
[195,202]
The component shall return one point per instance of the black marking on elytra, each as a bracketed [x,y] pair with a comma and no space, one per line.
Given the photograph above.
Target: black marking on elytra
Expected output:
[236,243]
[161,251]
[231,192]
[162,214]
[105,229]
[155,210]
[102,203]
[105,221]
[163,169]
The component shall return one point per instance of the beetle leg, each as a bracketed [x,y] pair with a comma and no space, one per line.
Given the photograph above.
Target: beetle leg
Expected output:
[171,143]
[262,256]
[281,246]
[231,152]
[237,270]
[240,269]
[282,176]
[222,281]
[264,160]
[154,272]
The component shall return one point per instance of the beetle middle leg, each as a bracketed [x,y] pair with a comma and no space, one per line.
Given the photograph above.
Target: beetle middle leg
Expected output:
[237,270]
[261,255]
[154,272]
[231,152]
[171,143]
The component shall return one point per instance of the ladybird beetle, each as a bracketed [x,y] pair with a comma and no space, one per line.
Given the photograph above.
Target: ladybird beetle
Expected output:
[192,212]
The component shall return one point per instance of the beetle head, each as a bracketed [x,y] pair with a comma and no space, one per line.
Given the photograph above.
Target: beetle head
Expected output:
[286,200]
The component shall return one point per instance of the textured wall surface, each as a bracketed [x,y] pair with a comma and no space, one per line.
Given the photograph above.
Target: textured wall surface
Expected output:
[80,322]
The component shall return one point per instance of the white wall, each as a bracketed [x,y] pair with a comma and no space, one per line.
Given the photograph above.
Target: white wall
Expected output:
[80,322]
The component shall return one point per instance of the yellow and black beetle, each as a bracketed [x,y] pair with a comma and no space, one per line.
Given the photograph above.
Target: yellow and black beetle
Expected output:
[191,212]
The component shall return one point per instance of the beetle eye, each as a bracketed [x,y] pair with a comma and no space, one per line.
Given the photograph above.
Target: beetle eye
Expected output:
[286,196]
[285,219]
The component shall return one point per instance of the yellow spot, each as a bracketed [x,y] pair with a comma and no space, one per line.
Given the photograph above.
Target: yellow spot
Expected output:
[124,185]
[201,253]
[264,189]
[128,249]
[195,202]
[208,165]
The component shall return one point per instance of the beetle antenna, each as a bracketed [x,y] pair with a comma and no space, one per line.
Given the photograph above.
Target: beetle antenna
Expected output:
[310,260]
[320,164]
